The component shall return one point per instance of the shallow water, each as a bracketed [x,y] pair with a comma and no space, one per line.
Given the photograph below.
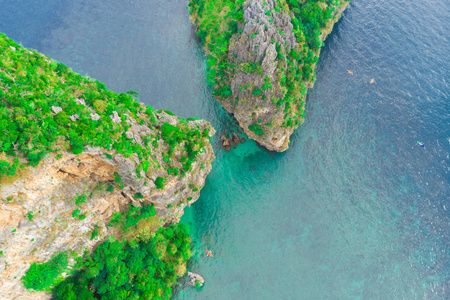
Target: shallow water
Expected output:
[355,209]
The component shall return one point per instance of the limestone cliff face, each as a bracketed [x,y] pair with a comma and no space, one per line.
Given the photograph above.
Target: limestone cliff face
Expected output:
[257,44]
[266,39]
[37,205]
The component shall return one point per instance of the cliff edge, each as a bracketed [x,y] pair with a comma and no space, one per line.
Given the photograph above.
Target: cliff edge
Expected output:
[74,156]
[261,59]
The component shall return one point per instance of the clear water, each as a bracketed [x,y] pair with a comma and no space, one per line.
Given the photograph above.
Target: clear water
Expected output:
[355,209]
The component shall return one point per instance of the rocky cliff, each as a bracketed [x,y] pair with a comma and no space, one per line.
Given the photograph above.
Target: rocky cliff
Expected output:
[66,201]
[269,61]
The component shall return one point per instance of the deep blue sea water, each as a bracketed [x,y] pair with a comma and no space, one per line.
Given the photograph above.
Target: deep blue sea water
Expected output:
[355,209]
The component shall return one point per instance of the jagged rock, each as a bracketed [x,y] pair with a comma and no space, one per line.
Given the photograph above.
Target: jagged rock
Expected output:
[56,110]
[235,139]
[74,118]
[226,143]
[129,134]
[115,117]
[195,279]
[81,101]
[258,54]
[95,116]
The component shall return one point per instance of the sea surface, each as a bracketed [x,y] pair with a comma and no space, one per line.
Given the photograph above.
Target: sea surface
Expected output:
[355,209]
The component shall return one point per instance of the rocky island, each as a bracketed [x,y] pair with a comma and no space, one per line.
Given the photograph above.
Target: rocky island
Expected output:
[261,59]
[92,185]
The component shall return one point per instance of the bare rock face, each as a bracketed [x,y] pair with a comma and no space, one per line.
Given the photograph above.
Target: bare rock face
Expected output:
[256,46]
[37,205]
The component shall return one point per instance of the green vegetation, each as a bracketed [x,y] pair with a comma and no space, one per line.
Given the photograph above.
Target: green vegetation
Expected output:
[256,92]
[218,20]
[41,276]
[175,135]
[132,217]
[80,199]
[95,232]
[160,182]
[138,196]
[256,128]
[75,213]
[46,108]
[146,269]
[135,214]
[139,267]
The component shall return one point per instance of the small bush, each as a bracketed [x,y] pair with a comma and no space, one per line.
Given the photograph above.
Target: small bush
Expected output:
[95,232]
[80,199]
[256,128]
[75,213]
[41,276]
[138,196]
[160,182]
[257,92]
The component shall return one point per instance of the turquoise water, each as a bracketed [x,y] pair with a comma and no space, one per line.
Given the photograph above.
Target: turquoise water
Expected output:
[355,209]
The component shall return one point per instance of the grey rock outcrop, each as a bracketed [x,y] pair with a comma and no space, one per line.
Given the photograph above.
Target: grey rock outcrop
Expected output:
[56,110]
[74,118]
[115,117]
[258,53]
[95,116]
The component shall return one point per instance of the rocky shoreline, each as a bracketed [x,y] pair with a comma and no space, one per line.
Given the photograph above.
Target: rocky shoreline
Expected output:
[261,56]
[66,202]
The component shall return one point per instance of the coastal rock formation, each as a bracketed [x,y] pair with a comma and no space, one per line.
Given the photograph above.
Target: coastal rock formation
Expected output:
[263,76]
[228,143]
[36,210]
[257,45]
[64,200]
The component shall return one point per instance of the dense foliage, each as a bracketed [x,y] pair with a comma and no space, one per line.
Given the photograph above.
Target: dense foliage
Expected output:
[135,270]
[218,20]
[40,276]
[32,86]
[47,108]
[133,215]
